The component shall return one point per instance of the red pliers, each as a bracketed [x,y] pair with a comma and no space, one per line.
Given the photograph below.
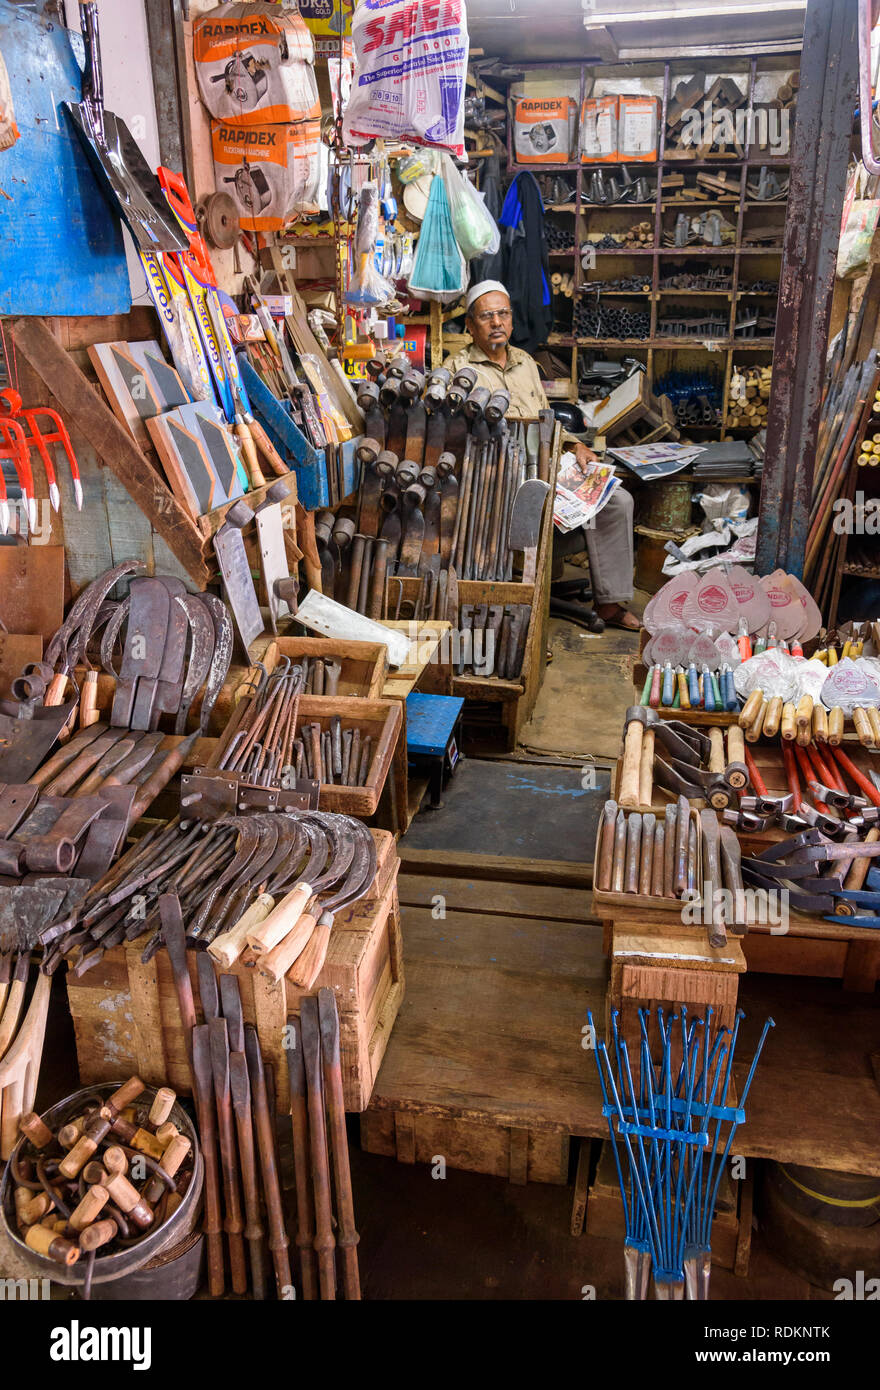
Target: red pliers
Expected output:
[34,438]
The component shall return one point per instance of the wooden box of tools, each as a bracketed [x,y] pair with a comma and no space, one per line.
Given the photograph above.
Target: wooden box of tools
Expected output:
[639,901]
[379,720]
[516,696]
[364,664]
[668,963]
[126,1018]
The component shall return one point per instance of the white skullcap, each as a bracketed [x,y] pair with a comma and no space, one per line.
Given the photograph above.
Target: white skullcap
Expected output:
[486,287]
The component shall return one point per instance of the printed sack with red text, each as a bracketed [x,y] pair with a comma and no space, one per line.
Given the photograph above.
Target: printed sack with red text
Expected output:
[410,61]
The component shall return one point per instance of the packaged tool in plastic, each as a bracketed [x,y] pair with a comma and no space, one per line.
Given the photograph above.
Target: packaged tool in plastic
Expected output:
[598,135]
[255,64]
[410,66]
[543,129]
[271,171]
[476,230]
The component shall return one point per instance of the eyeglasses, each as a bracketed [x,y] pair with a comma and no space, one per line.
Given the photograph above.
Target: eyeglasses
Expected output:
[489,315]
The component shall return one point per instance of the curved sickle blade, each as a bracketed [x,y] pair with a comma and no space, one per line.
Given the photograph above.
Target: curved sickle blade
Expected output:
[223,642]
[201,654]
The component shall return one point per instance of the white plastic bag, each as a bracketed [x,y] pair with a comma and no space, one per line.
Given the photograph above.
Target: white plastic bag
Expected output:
[475,228]
[410,62]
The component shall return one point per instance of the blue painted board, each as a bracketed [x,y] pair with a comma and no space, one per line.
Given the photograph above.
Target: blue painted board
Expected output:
[308,463]
[430,720]
[60,243]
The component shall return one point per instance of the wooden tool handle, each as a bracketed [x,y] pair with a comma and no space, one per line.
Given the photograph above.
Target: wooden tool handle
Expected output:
[646,769]
[874,717]
[267,448]
[859,870]
[804,713]
[835,726]
[736,746]
[310,962]
[280,921]
[55,692]
[716,750]
[227,947]
[820,723]
[249,454]
[863,727]
[750,709]
[755,729]
[88,701]
[276,963]
[773,717]
[632,756]
[788,727]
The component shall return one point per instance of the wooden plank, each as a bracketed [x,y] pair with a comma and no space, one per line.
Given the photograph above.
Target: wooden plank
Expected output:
[744,1231]
[112,443]
[146,1009]
[494,897]
[32,589]
[477,940]
[511,869]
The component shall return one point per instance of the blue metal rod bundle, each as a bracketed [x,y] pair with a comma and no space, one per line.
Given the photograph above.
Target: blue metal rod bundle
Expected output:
[674,1157]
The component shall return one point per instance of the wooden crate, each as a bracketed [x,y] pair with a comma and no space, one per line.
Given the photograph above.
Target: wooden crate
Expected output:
[519,1155]
[668,963]
[364,664]
[126,1018]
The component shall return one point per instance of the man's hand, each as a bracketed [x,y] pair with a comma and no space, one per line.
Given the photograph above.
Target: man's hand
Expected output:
[583,454]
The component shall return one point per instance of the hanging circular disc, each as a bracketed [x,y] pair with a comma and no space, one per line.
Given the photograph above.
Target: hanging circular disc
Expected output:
[217,217]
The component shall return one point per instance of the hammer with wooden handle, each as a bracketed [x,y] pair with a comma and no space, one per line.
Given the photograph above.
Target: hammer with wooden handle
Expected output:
[636,723]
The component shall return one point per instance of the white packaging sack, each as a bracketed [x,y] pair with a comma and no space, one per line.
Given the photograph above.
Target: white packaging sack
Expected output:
[410,62]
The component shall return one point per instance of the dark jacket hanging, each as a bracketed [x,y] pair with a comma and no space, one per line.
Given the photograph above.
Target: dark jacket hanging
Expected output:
[525,263]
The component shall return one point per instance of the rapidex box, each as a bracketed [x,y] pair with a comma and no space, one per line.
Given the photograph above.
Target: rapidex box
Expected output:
[598,139]
[271,171]
[638,128]
[254,64]
[543,129]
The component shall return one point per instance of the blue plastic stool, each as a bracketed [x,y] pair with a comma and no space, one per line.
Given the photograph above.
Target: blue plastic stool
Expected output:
[432,738]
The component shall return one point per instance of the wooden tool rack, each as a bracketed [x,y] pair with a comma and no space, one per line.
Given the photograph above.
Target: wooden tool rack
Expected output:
[747,263]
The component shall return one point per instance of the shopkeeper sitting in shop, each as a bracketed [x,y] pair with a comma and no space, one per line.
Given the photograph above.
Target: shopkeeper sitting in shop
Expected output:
[609,542]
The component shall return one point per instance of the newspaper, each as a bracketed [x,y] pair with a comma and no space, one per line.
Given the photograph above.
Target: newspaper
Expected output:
[582,489]
[656,460]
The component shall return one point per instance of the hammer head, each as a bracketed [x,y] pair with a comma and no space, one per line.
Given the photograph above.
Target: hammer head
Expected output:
[767,805]
[638,713]
[747,820]
[842,801]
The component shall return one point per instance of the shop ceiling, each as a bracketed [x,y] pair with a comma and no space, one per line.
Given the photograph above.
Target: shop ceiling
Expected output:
[607,31]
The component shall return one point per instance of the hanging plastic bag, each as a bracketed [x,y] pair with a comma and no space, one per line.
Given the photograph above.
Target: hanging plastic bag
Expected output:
[417,165]
[368,287]
[410,62]
[475,228]
[854,251]
[440,271]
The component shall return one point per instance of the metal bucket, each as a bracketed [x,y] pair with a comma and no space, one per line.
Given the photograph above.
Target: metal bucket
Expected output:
[125,1265]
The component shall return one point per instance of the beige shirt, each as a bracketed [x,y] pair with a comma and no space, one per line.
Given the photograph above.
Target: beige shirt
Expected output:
[520,378]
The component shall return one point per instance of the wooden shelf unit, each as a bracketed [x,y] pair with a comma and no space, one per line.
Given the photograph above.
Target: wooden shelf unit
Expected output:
[718,355]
